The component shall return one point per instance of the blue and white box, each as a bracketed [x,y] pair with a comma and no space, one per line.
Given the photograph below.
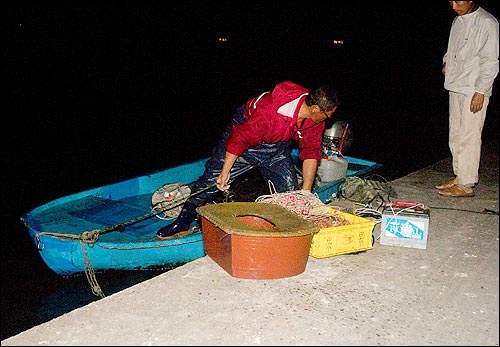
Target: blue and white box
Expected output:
[405,229]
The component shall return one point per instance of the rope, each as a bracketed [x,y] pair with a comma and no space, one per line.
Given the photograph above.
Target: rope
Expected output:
[305,205]
[90,273]
[93,235]
[90,237]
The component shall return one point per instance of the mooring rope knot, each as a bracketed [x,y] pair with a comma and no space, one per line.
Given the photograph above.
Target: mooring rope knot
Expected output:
[90,236]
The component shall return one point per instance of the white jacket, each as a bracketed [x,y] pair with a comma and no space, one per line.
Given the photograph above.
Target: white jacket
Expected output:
[472,55]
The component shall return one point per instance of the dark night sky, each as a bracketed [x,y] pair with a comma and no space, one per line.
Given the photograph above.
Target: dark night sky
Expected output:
[140,86]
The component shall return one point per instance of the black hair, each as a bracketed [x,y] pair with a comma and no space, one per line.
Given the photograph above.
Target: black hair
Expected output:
[326,97]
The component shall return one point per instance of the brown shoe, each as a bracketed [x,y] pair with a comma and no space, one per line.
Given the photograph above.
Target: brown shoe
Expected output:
[448,184]
[457,191]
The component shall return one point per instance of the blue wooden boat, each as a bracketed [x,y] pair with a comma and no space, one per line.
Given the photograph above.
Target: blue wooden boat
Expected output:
[113,227]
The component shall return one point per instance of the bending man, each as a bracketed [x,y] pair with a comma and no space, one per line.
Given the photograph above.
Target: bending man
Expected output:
[259,135]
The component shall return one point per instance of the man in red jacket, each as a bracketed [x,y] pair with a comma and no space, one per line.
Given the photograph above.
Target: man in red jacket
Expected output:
[259,135]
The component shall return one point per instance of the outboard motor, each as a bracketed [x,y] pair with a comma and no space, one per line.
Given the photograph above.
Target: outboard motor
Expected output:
[333,136]
[333,166]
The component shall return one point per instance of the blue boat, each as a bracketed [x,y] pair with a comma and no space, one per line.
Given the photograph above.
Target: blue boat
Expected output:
[114,226]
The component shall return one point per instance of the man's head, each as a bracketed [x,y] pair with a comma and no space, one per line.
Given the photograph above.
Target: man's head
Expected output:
[324,100]
[463,7]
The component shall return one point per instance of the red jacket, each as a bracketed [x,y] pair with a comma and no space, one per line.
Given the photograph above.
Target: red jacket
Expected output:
[272,117]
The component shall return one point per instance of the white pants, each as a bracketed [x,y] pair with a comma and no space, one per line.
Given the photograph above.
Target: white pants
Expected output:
[465,138]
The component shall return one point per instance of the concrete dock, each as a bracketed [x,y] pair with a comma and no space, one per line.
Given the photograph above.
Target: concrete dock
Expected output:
[446,294]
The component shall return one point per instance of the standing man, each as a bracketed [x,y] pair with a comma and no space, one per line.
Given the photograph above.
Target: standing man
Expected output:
[259,135]
[470,66]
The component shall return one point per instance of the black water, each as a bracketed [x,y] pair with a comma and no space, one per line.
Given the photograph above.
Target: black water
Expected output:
[103,93]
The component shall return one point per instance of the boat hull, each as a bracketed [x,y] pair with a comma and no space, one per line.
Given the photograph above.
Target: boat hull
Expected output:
[68,257]
[113,227]
[57,227]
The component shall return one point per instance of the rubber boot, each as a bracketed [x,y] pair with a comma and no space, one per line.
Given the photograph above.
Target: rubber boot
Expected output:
[182,223]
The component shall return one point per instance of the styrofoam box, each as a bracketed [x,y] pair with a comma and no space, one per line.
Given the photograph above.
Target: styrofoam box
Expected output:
[405,229]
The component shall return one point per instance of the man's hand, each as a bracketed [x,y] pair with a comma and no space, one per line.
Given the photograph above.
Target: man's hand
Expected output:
[221,182]
[309,168]
[477,102]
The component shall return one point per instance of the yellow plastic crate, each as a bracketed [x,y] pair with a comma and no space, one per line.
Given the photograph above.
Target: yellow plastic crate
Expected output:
[350,238]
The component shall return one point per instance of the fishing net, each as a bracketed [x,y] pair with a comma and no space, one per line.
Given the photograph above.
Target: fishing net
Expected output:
[306,205]
[366,191]
[167,201]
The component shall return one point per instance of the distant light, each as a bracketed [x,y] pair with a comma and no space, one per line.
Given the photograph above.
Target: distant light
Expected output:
[222,39]
[338,42]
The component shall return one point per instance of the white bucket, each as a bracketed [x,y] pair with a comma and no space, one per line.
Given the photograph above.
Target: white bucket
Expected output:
[332,169]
